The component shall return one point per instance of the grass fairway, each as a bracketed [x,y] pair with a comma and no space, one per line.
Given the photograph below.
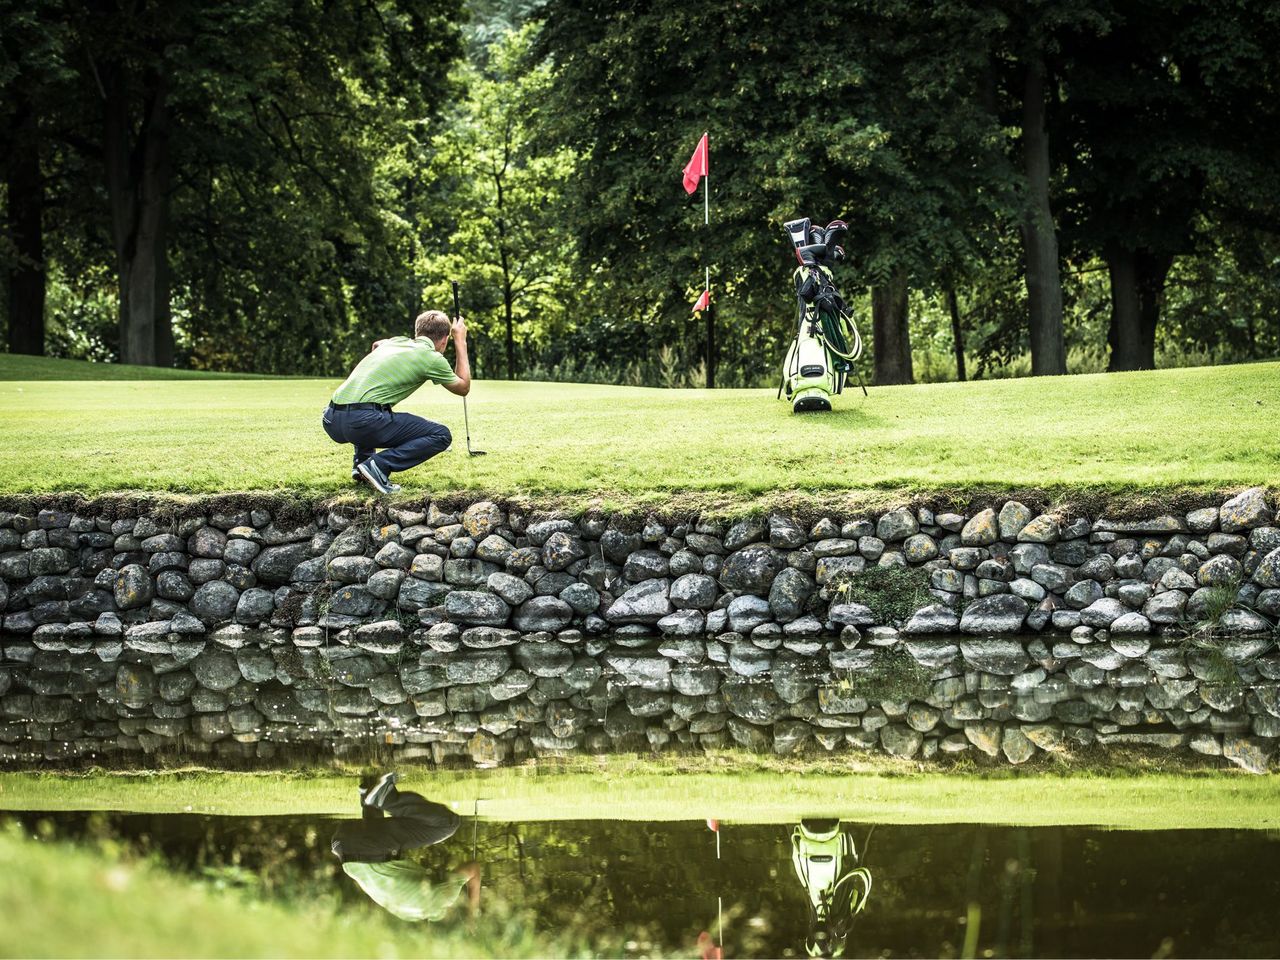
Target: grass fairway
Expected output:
[61,901]
[1198,429]
[15,366]
[874,791]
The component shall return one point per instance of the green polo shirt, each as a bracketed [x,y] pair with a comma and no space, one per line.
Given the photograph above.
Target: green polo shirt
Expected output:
[393,370]
[402,887]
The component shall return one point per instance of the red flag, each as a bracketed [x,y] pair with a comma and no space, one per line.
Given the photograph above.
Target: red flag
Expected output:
[713,825]
[704,301]
[697,167]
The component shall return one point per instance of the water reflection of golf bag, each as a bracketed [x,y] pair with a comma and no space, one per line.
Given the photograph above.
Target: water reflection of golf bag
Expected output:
[825,859]
[826,343]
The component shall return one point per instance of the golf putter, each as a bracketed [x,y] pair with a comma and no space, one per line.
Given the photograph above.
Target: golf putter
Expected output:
[457,312]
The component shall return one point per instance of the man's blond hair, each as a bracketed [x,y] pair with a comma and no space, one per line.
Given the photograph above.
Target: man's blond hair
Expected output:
[433,324]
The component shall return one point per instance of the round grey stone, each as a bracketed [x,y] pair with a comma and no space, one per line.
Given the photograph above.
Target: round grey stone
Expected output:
[543,613]
[134,587]
[476,608]
[683,623]
[562,550]
[1219,571]
[748,612]
[646,602]
[207,542]
[752,569]
[790,592]
[999,613]
[581,597]
[645,565]
[1102,613]
[1130,623]
[1245,511]
[173,585]
[216,670]
[255,605]
[899,740]
[274,565]
[1013,517]
[934,618]
[981,530]
[694,591]
[511,589]
[1267,573]
[214,601]
[919,548]
[350,569]
[897,525]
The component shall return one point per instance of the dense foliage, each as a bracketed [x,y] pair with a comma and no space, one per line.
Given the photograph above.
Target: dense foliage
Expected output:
[1043,187]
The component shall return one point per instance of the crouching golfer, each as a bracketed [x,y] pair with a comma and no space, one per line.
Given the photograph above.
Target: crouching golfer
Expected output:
[360,411]
[373,853]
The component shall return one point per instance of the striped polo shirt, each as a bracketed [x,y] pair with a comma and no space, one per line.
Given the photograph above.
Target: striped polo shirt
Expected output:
[393,370]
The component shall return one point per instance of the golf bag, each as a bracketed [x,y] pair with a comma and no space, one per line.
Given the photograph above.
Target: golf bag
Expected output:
[827,342]
[826,862]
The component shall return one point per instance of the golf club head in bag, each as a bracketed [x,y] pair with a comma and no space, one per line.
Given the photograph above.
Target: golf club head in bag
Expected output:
[466,418]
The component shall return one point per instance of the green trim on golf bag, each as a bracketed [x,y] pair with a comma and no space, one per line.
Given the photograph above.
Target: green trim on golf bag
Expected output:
[837,891]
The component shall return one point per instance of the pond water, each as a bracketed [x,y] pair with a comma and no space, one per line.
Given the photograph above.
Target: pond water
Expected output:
[900,891]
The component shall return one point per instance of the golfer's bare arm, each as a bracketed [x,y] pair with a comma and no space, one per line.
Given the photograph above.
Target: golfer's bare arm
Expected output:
[461,364]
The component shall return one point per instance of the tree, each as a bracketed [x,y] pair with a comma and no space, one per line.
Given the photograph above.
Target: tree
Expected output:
[806,116]
[1166,116]
[29,67]
[507,235]
[234,143]
[1039,235]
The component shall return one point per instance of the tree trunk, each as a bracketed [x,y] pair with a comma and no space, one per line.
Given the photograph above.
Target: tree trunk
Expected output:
[890,332]
[1137,296]
[164,315]
[509,316]
[1039,238]
[137,176]
[957,331]
[25,228]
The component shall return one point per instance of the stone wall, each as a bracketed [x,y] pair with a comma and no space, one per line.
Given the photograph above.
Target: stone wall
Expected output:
[493,634]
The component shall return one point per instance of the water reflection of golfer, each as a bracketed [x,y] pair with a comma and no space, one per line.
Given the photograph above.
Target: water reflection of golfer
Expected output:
[826,861]
[372,851]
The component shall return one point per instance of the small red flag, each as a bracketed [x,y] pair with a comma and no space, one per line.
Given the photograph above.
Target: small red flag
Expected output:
[713,825]
[704,301]
[697,167]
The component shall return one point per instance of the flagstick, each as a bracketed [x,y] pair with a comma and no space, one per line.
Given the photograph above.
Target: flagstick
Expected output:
[720,920]
[706,221]
[717,844]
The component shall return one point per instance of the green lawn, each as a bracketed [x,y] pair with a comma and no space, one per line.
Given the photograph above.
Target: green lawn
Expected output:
[877,790]
[15,366]
[1199,429]
[58,900]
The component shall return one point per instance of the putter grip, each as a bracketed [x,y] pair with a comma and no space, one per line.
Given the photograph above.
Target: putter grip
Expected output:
[457,310]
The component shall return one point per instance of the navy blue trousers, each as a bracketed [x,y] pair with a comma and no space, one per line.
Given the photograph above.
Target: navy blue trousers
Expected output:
[406,440]
[414,822]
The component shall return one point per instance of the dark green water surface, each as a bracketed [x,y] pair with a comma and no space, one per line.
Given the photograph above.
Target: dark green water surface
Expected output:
[935,890]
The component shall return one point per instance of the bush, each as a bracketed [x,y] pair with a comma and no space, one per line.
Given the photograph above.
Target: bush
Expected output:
[891,593]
